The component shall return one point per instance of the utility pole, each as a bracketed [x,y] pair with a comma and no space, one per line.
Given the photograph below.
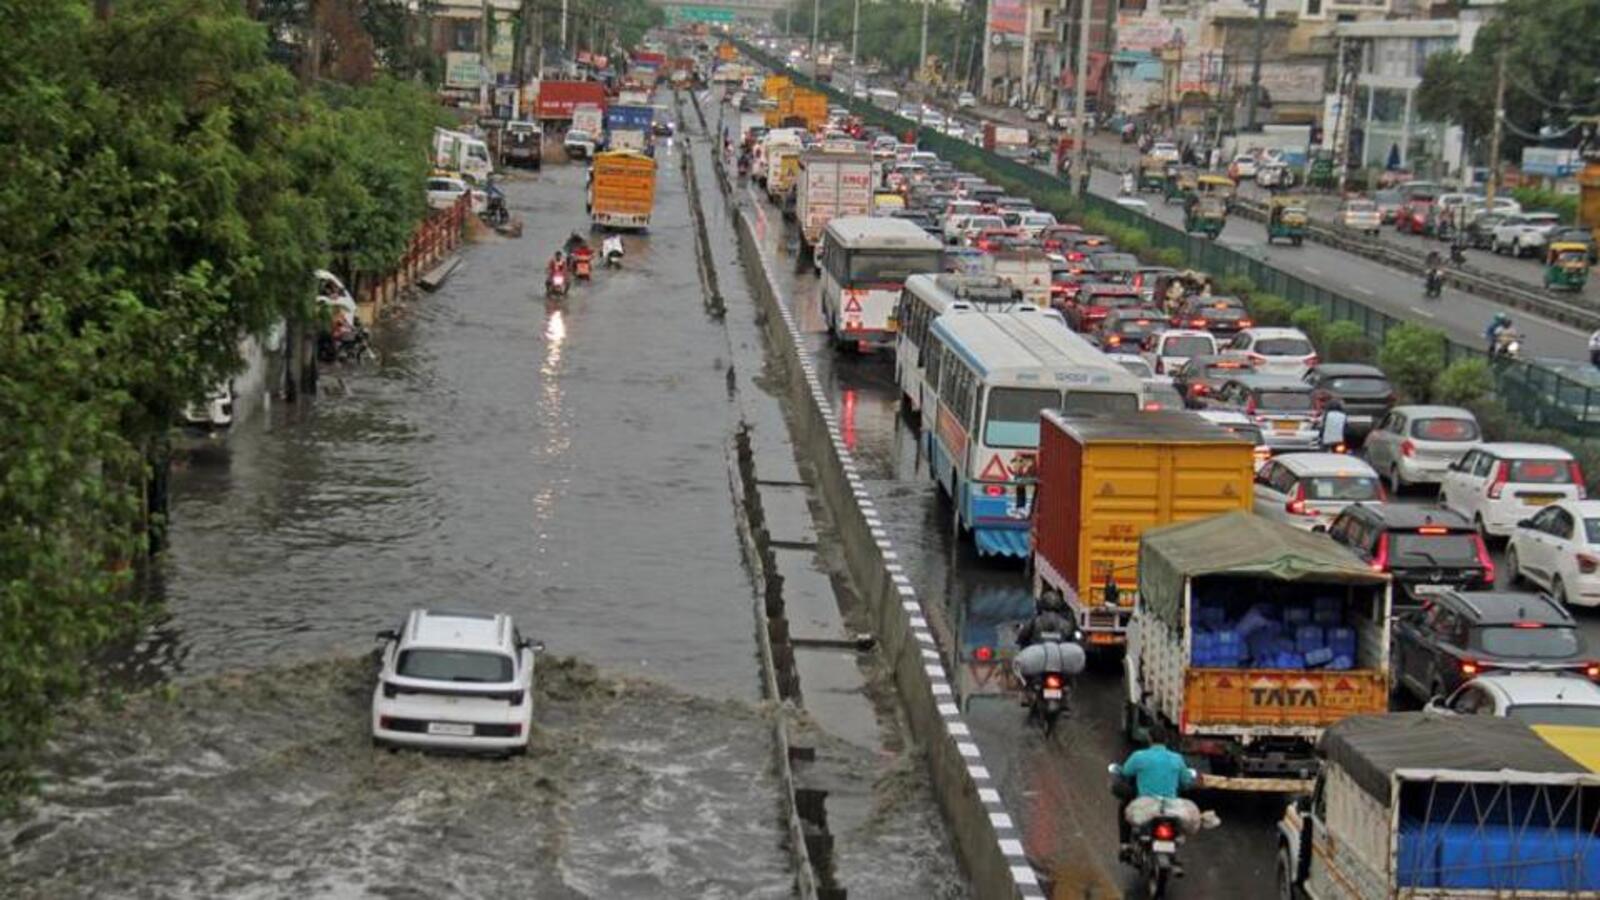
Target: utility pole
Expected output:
[563,26]
[816,26]
[922,54]
[1347,99]
[1255,64]
[1499,116]
[1027,49]
[855,30]
[1080,88]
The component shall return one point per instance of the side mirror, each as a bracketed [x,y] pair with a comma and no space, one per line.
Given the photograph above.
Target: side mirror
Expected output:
[1319,529]
[535,646]
[1524,523]
[388,634]
[1114,769]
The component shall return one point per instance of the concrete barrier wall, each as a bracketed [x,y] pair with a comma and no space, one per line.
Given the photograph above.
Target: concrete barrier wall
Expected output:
[985,833]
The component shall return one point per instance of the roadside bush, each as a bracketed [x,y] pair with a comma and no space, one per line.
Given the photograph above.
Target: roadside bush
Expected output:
[1270,310]
[1133,240]
[1171,257]
[1501,424]
[1236,285]
[1540,199]
[1413,356]
[1463,382]
[1311,320]
[1343,341]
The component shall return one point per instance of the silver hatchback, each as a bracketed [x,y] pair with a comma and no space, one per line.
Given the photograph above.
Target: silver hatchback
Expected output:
[1417,444]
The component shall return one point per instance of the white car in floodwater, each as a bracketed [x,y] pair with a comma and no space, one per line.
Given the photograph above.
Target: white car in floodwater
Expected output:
[455,681]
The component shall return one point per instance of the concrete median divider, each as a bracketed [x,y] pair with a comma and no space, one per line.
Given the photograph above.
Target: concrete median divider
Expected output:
[984,831]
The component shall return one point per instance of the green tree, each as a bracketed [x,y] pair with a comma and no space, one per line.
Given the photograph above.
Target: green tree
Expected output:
[1413,356]
[1464,382]
[1343,341]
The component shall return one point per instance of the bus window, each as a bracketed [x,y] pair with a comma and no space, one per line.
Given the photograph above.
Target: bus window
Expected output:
[867,266]
[1094,402]
[1013,417]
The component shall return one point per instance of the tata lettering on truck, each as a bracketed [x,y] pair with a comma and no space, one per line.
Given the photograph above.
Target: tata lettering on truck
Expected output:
[1103,481]
[834,181]
[622,192]
[1432,806]
[1249,637]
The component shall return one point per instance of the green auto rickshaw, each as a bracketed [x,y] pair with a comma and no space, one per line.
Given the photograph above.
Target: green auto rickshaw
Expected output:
[1287,219]
[1181,182]
[1566,266]
[1205,215]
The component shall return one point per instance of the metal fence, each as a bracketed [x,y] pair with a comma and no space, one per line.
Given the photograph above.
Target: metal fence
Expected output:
[1536,394]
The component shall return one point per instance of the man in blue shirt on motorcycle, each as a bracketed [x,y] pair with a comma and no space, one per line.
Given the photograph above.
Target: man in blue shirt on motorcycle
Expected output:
[1155,771]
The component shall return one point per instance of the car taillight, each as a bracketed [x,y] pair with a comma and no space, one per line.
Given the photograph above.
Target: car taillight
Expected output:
[1113,340]
[386,722]
[993,490]
[1502,474]
[1245,323]
[514,729]
[1587,564]
[1408,448]
[1380,562]
[1470,668]
[983,653]
[1198,323]
[1052,680]
[1576,474]
[1297,503]
[1592,671]
[1484,561]
[1163,831]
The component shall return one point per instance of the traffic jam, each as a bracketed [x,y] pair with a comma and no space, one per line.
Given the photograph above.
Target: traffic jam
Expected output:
[1280,572]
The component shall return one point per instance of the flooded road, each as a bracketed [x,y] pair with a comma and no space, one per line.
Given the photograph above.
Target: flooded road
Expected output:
[1057,788]
[564,463]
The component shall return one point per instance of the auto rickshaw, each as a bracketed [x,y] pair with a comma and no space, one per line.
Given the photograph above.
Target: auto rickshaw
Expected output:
[1181,182]
[1205,214]
[1152,175]
[1217,185]
[1566,266]
[1287,218]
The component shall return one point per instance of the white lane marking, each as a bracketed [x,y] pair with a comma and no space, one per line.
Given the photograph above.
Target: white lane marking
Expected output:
[1365,290]
[1421,312]
[1312,270]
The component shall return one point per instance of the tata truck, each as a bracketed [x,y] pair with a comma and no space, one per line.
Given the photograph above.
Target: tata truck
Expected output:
[1249,637]
[834,181]
[622,191]
[1103,481]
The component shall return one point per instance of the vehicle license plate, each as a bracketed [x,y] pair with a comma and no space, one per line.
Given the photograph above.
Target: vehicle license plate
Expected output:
[1052,693]
[449,729]
[1102,638]
[1540,499]
[1430,588]
[1164,846]
[1286,425]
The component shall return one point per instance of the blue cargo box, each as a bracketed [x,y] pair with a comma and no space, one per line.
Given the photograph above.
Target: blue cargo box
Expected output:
[629,118]
[1526,857]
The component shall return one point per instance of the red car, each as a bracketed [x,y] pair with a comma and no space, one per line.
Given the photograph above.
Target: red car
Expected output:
[990,240]
[1413,216]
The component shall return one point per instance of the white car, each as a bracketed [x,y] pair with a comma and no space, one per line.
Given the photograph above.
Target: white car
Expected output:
[1165,151]
[1361,215]
[1137,366]
[1495,486]
[1242,167]
[1562,699]
[934,120]
[1238,423]
[1309,489]
[1417,444]
[1169,350]
[1558,549]
[578,144]
[1034,221]
[966,101]
[1523,233]
[445,190]
[1275,351]
[214,413]
[455,681]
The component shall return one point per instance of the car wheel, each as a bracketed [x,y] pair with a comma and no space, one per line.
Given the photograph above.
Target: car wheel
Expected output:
[1513,566]
[1559,591]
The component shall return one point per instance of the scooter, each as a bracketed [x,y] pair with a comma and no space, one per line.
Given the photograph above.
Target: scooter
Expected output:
[556,284]
[1507,345]
[1433,285]
[611,252]
[1458,255]
[582,263]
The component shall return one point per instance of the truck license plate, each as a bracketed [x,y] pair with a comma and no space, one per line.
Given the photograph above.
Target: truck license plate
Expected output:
[1102,638]
[1052,693]
[450,729]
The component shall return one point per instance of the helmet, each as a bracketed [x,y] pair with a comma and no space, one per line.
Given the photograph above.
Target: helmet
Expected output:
[1501,318]
[1052,601]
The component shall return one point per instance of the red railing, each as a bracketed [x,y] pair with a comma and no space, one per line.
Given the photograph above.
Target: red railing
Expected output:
[436,237]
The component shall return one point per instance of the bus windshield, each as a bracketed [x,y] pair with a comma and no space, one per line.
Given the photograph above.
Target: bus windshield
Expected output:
[1013,416]
[890,265]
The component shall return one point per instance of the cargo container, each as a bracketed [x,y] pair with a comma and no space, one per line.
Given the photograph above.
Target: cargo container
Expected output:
[811,107]
[588,118]
[774,85]
[557,99]
[1248,639]
[457,151]
[783,172]
[1028,271]
[997,137]
[633,118]
[1103,481]
[834,181]
[622,191]
[1424,805]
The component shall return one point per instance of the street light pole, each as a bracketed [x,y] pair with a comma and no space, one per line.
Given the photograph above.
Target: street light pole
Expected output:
[1499,116]
[855,31]
[1080,90]
[1255,65]
[922,54]
[816,24]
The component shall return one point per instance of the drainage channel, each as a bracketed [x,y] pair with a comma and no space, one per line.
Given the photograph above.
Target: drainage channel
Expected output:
[861,819]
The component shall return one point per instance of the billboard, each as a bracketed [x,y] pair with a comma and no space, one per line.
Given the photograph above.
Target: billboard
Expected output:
[462,69]
[1148,34]
[1008,16]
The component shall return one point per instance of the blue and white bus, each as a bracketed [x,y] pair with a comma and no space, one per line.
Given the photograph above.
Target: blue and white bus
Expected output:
[924,300]
[865,261]
[995,373]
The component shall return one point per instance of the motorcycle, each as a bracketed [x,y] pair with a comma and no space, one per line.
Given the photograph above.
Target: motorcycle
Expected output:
[353,346]
[1458,255]
[611,252]
[1046,670]
[1153,849]
[1507,345]
[582,263]
[555,284]
[1433,284]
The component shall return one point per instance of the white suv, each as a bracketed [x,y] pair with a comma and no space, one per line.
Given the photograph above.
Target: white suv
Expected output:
[1170,350]
[1523,233]
[1498,485]
[456,681]
[1275,351]
[1558,549]
[1417,444]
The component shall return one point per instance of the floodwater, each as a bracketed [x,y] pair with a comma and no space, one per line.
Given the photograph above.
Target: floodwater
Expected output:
[561,462]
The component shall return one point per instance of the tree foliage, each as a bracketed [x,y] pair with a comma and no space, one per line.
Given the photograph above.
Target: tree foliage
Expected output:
[891,30]
[1412,356]
[167,189]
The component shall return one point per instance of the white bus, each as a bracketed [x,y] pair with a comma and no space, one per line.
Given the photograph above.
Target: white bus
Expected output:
[993,376]
[865,261]
[926,298]
[883,98]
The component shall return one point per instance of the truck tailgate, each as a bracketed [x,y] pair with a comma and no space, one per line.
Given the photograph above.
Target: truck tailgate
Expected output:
[1248,699]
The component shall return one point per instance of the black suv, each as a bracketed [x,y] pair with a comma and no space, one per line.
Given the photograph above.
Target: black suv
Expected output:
[1363,391]
[1456,636]
[1426,549]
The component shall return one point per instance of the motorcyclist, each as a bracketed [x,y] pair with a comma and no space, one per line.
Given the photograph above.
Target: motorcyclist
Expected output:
[1458,247]
[611,248]
[557,264]
[1498,326]
[574,242]
[1051,622]
[1127,182]
[1155,771]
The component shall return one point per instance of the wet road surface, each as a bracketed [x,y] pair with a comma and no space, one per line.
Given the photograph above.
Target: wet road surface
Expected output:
[1058,787]
[564,463]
